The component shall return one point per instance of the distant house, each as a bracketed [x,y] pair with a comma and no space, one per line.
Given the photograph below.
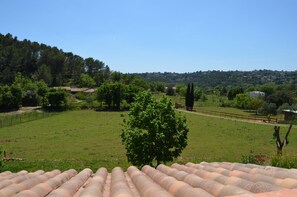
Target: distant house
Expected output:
[289,114]
[257,94]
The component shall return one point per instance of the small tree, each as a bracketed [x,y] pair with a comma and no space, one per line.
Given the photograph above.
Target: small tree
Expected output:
[280,144]
[170,91]
[154,133]
[267,109]
[86,81]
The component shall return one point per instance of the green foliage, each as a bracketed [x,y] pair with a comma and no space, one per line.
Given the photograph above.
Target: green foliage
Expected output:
[280,97]
[286,106]
[234,91]
[181,89]
[44,74]
[170,91]
[197,94]
[57,99]
[111,93]
[243,101]
[190,97]
[42,62]
[284,161]
[250,158]
[157,86]
[86,81]
[268,89]
[10,97]
[74,137]
[267,109]
[154,133]
[1,159]
[225,78]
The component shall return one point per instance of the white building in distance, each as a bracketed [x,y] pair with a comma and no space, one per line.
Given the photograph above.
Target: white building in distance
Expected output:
[257,94]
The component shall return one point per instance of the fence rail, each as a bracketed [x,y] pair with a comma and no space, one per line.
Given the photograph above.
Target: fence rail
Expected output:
[237,116]
[9,120]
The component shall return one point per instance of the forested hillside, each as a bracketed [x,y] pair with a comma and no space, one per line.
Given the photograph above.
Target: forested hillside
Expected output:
[42,62]
[224,78]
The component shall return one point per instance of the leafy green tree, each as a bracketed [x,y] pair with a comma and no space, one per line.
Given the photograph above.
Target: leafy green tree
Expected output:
[242,101]
[268,89]
[42,89]
[234,91]
[112,94]
[197,94]
[44,73]
[154,133]
[57,98]
[181,89]
[280,97]
[10,97]
[104,93]
[160,87]
[130,92]
[267,109]
[86,81]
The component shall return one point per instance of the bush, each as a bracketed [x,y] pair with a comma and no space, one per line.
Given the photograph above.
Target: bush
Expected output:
[10,97]
[57,99]
[284,161]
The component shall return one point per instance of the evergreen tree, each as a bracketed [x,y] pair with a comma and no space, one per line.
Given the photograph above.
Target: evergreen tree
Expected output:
[188,97]
[192,97]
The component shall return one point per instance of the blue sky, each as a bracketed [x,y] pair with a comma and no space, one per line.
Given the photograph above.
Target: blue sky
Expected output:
[162,35]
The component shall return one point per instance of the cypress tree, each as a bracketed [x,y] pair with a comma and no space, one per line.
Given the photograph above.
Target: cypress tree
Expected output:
[192,97]
[188,97]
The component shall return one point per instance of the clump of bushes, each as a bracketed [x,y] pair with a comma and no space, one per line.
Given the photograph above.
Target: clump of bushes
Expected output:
[284,161]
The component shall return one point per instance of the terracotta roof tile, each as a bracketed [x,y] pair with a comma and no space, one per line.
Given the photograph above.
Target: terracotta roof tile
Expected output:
[204,179]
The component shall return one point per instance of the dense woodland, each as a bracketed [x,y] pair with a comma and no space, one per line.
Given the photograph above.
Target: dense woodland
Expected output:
[225,78]
[42,62]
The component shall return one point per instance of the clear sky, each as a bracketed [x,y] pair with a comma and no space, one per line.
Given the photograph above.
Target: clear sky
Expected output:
[162,35]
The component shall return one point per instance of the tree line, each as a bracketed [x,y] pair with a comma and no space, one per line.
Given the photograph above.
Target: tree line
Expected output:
[214,78]
[50,64]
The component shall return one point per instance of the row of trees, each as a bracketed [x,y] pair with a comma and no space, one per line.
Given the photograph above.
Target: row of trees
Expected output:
[206,79]
[25,92]
[50,64]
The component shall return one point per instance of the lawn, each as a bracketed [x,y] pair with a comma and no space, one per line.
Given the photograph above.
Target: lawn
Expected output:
[80,139]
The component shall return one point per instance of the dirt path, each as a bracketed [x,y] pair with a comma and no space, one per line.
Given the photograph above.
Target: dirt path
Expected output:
[233,119]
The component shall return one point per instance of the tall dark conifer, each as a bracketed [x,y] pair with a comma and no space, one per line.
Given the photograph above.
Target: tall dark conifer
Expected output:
[192,97]
[188,97]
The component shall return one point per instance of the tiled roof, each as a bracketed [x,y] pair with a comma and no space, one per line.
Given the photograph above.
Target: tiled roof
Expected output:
[190,180]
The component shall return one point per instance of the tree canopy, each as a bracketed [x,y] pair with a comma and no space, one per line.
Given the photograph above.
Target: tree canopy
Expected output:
[154,133]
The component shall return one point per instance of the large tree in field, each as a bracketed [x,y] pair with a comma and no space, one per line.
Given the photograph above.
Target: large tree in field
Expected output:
[154,133]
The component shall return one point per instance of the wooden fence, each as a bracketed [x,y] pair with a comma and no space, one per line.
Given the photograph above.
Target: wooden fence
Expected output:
[9,120]
[237,116]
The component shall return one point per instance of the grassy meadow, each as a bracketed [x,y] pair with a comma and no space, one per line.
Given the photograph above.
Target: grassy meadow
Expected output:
[85,138]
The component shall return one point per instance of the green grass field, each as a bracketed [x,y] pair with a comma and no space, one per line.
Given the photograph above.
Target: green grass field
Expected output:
[80,139]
